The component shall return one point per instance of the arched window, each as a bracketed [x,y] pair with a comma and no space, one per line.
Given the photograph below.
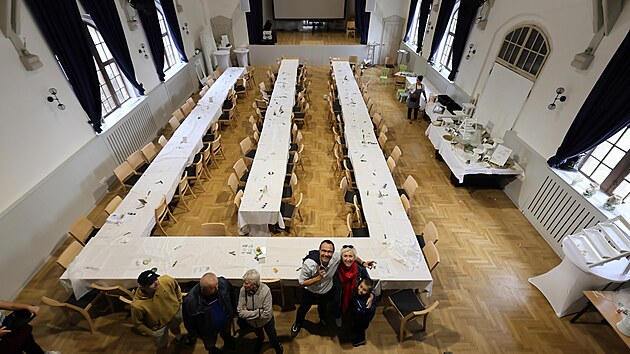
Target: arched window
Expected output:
[524,50]
[169,47]
[412,40]
[112,85]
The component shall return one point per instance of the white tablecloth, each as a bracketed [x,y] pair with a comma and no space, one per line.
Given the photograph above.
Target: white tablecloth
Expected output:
[384,213]
[188,258]
[456,163]
[260,205]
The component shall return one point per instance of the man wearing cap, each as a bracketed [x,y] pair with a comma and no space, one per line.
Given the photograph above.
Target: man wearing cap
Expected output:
[208,312]
[157,307]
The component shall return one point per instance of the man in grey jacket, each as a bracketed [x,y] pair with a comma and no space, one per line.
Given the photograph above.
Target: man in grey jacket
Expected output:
[255,310]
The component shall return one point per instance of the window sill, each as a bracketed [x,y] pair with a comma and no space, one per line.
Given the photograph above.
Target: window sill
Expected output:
[579,183]
[173,70]
[121,112]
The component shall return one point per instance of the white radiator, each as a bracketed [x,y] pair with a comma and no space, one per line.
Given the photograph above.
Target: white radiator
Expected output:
[135,131]
[556,210]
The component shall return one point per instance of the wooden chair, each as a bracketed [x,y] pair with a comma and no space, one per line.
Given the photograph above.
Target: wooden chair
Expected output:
[161,212]
[188,106]
[162,141]
[113,204]
[227,117]
[126,175]
[409,187]
[242,87]
[182,188]
[195,172]
[405,203]
[300,117]
[382,140]
[290,212]
[410,307]
[213,229]
[241,170]
[69,254]
[401,82]
[217,149]
[233,183]
[430,233]
[351,28]
[396,154]
[83,230]
[137,162]
[390,62]
[347,193]
[237,200]
[251,78]
[391,164]
[275,284]
[247,148]
[287,191]
[179,115]
[149,151]
[431,255]
[355,231]
[82,306]
[174,124]
[383,78]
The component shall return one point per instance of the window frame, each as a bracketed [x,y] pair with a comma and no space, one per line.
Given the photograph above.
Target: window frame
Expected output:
[618,173]
[167,39]
[412,35]
[523,49]
[442,52]
[101,69]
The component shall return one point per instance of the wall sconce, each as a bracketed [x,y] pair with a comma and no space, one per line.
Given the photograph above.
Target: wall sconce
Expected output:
[471,51]
[53,92]
[559,91]
[185,28]
[143,50]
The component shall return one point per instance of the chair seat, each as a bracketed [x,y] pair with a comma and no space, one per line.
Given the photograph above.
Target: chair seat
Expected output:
[85,300]
[299,115]
[287,192]
[349,197]
[132,180]
[403,192]
[244,177]
[389,66]
[208,138]
[360,232]
[251,154]
[406,302]
[289,169]
[290,159]
[227,104]
[348,162]
[225,116]
[293,147]
[239,88]
[286,210]
[296,109]
[92,234]
[142,168]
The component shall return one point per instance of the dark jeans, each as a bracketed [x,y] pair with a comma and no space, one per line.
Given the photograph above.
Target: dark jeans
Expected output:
[308,300]
[415,113]
[269,327]
[20,341]
[361,324]
[210,339]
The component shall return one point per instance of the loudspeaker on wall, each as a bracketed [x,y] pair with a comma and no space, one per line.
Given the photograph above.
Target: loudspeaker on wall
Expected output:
[370,5]
[245,5]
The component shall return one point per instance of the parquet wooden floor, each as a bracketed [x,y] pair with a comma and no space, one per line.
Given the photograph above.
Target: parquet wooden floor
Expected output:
[488,251]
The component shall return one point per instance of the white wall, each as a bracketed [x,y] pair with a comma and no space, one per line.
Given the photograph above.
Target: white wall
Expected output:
[385,9]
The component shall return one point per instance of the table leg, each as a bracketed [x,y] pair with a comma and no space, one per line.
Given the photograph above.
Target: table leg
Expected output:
[583,311]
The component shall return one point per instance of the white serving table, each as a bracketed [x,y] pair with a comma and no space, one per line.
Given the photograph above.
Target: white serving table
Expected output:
[456,163]
[261,201]
[385,216]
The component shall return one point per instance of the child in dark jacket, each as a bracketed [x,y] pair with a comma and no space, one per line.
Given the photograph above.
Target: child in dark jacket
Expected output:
[363,310]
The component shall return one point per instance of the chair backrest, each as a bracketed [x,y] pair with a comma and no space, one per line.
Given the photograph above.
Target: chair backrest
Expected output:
[382,140]
[162,141]
[81,229]
[240,167]
[183,184]
[161,210]
[216,145]
[233,183]
[187,108]
[123,171]
[113,204]
[136,160]
[357,210]
[410,186]
[343,185]
[246,145]
[430,233]
[297,208]
[377,120]
[391,164]
[237,199]
[396,153]
[293,181]
[149,151]
[405,203]
[213,229]
[350,25]
[179,114]
[403,67]
[353,59]
[174,123]
[349,224]
[384,72]
[431,255]
[400,80]
[69,254]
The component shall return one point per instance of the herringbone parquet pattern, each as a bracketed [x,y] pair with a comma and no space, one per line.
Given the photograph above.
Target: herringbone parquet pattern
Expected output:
[488,251]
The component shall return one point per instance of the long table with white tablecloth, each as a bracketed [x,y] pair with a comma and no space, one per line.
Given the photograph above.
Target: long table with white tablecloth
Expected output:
[261,201]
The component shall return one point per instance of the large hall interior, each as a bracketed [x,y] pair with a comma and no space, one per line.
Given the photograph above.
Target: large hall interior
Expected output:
[477,150]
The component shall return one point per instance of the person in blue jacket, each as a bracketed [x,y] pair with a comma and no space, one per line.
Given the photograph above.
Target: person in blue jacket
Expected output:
[363,309]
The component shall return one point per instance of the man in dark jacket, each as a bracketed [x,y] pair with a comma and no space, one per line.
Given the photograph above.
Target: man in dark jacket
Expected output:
[208,311]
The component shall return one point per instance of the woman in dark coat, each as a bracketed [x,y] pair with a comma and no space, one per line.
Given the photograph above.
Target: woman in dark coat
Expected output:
[415,93]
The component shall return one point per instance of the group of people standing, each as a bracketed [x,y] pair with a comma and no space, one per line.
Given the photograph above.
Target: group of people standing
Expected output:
[330,279]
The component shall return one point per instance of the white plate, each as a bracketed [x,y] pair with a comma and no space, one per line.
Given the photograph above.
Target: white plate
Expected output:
[600,243]
[585,249]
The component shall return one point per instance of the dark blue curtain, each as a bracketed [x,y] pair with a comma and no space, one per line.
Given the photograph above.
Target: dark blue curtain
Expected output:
[106,19]
[446,9]
[255,21]
[170,15]
[61,25]
[412,11]
[151,26]
[465,18]
[425,8]
[363,20]
[605,111]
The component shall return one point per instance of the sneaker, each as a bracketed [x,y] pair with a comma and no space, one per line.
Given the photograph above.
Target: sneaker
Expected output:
[338,322]
[279,349]
[358,343]
[295,330]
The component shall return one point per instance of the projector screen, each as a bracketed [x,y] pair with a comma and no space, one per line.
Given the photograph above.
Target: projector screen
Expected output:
[308,9]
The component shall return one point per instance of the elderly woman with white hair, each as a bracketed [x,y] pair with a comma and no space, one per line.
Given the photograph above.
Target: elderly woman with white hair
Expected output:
[349,275]
[255,310]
